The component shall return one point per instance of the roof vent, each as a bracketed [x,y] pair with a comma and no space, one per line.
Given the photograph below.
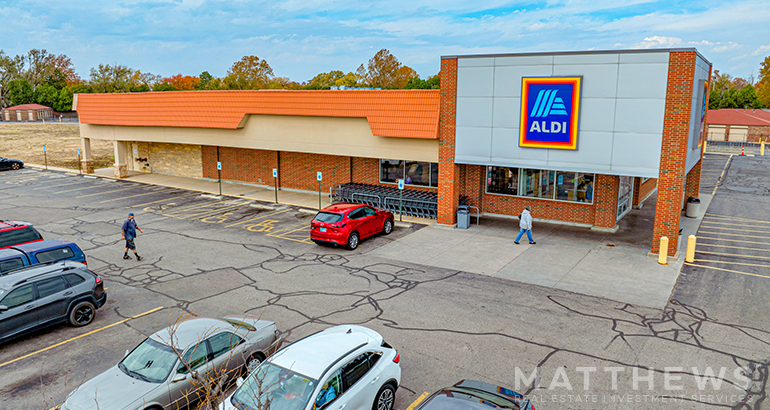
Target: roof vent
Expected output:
[349,331]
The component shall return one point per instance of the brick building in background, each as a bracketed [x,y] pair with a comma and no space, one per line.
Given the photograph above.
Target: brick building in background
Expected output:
[738,125]
[582,137]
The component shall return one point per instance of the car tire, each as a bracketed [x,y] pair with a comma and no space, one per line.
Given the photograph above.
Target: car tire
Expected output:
[387,227]
[15,165]
[82,314]
[385,398]
[353,240]
[252,363]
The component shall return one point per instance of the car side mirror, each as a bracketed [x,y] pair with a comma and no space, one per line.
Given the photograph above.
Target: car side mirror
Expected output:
[179,378]
[126,353]
[3,308]
[239,382]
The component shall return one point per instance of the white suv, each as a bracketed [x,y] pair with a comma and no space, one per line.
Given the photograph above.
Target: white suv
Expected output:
[344,367]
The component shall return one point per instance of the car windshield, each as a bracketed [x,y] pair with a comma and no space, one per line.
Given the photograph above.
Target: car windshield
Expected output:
[151,361]
[275,388]
[328,217]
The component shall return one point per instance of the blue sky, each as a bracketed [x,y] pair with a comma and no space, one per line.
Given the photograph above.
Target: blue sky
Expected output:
[300,38]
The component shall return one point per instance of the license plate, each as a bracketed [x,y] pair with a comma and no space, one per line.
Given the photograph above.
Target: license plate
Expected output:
[323,229]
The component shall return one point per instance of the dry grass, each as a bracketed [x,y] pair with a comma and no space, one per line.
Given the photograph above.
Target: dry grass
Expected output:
[25,142]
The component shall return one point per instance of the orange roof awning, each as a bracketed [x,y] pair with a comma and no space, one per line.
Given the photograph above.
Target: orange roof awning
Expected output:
[391,113]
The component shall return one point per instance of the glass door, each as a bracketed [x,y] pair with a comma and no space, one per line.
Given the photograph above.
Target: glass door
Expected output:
[625,196]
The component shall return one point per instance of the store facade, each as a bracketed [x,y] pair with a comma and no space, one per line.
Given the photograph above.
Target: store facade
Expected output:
[582,137]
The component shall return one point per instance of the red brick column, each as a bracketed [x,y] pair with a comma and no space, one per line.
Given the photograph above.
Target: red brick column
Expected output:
[692,182]
[606,200]
[449,173]
[673,155]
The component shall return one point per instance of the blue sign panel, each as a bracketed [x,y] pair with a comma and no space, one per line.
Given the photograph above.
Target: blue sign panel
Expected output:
[550,109]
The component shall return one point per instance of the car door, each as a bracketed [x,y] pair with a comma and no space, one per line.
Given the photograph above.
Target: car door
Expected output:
[184,391]
[227,353]
[21,313]
[370,220]
[4,164]
[332,394]
[52,299]
[360,386]
[356,220]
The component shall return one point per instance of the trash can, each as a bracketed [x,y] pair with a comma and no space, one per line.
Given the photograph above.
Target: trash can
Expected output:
[463,217]
[693,207]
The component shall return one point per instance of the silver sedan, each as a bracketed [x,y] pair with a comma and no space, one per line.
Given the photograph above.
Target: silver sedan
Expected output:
[152,376]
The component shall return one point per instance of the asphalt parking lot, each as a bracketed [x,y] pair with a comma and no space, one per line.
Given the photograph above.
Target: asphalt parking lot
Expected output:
[213,257]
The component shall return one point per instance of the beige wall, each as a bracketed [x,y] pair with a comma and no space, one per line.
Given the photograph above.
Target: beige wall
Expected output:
[320,135]
[169,159]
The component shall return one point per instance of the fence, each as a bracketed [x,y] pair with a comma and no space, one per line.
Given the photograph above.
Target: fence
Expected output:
[413,203]
[733,147]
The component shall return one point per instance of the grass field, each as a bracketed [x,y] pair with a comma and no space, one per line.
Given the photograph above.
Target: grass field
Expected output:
[25,142]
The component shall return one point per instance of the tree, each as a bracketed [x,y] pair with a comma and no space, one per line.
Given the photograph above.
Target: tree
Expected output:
[112,78]
[205,78]
[746,97]
[163,86]
[64,64]
[47,95]
[763,86]
[416,83]
[10,69]
[64,100]
[180,82]
[142,88]
[20,92]
[385,71]
[250,73]
[283,83]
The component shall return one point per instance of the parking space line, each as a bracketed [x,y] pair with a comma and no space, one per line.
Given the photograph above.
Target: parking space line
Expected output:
[737,229]
[735,223]
[418,401]
[733,247]
[202,213]
[735,218]
[735,234]
[734,263]
[727,270]
[108,192]
[719,181]
[734,255]
[81,336]
[49,187]
[733,240]
[162,200]
[78,189]
[134,196]
[258,217]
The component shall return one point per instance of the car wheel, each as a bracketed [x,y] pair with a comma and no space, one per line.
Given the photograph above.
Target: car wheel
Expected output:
[253,363]
[82,314]
[387,227]
[385,398]
[15,165]
[353,241]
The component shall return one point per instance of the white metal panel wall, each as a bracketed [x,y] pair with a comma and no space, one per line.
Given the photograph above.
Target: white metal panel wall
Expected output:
[621,118]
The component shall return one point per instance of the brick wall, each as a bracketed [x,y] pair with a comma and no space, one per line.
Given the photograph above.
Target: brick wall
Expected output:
[298,170]
[676,127]
[240,164]
[692,182]
[175,159]
[756,132]
[448,188]
[642,189]
[606,200]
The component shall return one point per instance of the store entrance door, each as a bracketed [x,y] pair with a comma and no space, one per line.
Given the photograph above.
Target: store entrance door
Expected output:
[625,196]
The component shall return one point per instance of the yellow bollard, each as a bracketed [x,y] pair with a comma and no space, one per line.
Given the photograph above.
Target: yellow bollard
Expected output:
[761,148]
[663,252]
[690,255]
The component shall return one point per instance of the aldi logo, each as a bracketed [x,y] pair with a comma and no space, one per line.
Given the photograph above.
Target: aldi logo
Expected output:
[550,108]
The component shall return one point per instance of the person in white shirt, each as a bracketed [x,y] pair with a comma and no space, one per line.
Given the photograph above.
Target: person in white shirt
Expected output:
[525,225]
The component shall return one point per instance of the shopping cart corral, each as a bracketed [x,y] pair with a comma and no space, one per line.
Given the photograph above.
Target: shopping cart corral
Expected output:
[415,202]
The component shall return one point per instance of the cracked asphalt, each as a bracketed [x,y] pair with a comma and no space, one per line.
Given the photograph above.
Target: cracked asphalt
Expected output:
[214,257]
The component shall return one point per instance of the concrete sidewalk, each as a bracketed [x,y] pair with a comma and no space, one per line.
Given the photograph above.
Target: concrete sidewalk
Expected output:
[610,265]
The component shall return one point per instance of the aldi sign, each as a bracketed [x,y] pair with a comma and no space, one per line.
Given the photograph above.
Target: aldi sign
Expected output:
[550,109]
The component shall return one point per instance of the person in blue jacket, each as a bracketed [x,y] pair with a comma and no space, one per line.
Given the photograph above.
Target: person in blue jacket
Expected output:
[129,233]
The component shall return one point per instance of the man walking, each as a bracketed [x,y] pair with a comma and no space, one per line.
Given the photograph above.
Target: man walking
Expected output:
[525,225]
[129,233]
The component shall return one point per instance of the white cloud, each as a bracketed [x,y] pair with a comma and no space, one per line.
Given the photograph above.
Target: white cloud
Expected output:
[658,42]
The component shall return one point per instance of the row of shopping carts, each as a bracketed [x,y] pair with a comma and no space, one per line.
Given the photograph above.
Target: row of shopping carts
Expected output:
[423,204]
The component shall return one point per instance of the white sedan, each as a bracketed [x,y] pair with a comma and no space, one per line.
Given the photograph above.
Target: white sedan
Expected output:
[344,367]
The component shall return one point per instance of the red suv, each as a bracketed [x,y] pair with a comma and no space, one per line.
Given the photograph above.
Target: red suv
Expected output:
[16,233]
[347,224]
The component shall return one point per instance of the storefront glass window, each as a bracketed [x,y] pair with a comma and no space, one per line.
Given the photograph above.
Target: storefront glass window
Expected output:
[501,180]
[565,186]
[530,179]
[391,170]
[547,181]
[434,174]
[585,187]
[417,173]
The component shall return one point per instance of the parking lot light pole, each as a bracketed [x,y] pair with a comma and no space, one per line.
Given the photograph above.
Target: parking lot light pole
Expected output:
[80,166]
[275,183]
[219,176]
[400,200]
[45,155]
[319,177]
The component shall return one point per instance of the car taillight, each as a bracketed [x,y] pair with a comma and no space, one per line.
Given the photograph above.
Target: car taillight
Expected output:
[85,263]
[98,280]
[338,226]
[397,358]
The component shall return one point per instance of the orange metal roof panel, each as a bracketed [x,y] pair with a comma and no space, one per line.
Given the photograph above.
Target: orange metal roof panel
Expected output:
[391,113]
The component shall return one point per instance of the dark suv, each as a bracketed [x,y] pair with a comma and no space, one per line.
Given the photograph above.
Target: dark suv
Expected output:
[41,296]
[16,233]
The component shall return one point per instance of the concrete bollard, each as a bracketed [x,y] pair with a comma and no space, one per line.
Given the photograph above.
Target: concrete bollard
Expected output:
[663,252]
[761,148]
[690,255]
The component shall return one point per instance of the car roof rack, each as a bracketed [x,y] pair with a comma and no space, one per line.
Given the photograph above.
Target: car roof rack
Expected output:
[63,268]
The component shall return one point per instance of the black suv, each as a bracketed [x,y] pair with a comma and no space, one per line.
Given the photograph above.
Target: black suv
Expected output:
[41,296]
